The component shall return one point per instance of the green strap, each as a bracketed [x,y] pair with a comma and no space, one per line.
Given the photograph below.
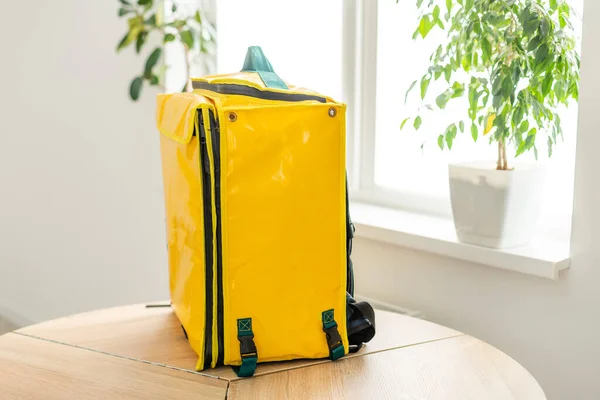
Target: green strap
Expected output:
[247,348]
[334,340]
[257,62]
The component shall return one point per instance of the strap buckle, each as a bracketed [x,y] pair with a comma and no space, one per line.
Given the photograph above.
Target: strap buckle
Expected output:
[333,336]
[247,346]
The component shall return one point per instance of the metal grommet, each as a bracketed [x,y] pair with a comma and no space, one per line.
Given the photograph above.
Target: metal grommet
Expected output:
[332,112]
[232,117]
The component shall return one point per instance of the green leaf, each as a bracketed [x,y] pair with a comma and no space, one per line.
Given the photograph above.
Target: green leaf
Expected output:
[152,20]
[415,34]
[549,147]
[497,101]
[545,27]
[412,85]
[457,90]
[404,123]
[139,43]
[474,133]
[441,141]
[123,11]
[419,2]
[559,89]
[127,3]
[497,85]
[531,24]
[486,49]
[448,73]
[562,22]
[524,126]
[436,13]
[425,26]
[449,6]
[507,87]
[442,100]
[152,60]
[518,115]
[461,126]
[527,144]
[417,122]
[553,4]
[136,88]
[450,135]
[547,84]
[169,37]
[424,85]
[144,2]
[125,41]
[187,38]
[542,53]
[534,43]
[198,17]
[174,8]
[154,80]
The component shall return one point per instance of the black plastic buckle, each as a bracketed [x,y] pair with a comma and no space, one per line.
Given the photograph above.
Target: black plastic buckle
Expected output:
[247,346]
[333,336]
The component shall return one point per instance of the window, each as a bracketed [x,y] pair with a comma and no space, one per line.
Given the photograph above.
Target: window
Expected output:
[362,52]
[303,40]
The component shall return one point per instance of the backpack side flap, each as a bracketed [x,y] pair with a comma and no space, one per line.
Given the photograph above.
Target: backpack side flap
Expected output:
[176,114]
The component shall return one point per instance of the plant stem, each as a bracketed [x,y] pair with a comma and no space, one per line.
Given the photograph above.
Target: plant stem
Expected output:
[504,158]
[188,85]
[500,160]
[502,163]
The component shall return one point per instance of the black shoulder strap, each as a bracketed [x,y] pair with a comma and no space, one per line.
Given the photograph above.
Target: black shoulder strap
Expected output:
[360,315]
[349,237]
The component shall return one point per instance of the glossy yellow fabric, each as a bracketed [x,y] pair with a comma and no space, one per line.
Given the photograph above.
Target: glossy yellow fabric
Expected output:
[185,236]
[282,212]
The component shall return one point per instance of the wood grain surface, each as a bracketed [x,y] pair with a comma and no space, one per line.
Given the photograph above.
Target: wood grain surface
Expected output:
[155,335]
[38,369]
[135,352]
[459,368]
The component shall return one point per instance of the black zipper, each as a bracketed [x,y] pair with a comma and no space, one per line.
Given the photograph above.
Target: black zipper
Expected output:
[208,241]
[215,134]
[242,90]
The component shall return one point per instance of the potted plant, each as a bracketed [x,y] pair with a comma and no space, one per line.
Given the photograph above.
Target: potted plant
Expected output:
[513,63]
[190,28]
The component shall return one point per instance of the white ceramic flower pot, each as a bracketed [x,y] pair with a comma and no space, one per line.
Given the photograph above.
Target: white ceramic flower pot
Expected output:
[492,208]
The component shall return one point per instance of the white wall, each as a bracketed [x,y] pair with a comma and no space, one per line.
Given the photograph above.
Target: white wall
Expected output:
[81,206]
[551,328]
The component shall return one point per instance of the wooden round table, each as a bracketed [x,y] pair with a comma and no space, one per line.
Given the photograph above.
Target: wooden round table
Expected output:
[140,352]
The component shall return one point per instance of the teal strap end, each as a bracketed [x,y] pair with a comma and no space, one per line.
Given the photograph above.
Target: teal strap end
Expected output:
[247,349]
[256,61]
[334,340]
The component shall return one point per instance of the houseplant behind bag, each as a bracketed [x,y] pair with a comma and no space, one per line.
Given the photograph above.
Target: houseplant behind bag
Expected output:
[516,62]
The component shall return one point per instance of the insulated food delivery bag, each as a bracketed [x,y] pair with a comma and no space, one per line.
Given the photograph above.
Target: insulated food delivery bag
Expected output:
[258,229]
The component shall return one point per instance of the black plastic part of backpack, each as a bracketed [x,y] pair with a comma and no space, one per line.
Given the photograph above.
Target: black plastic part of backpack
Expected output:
[360,316]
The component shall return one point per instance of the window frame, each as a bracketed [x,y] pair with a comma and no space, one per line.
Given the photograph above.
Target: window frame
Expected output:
[360,26]
[360,91]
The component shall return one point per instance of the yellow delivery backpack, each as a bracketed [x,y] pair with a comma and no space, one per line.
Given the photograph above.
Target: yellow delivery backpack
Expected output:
[258,229]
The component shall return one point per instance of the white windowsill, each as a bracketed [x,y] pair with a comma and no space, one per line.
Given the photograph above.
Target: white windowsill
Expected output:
[541,258]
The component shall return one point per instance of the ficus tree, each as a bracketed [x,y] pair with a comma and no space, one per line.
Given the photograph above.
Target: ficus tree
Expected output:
[516,61]
[147,17]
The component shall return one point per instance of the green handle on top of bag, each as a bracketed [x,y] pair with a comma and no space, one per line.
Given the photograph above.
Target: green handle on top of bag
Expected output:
[257,62]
